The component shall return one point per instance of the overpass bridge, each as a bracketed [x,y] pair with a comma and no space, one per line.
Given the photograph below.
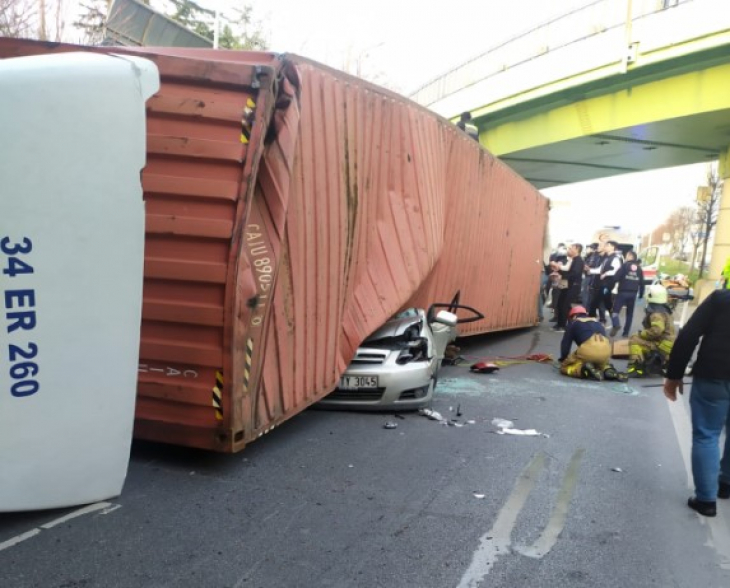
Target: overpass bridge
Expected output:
[611,87]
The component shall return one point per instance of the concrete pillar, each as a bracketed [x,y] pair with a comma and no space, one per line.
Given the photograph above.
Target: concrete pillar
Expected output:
[721,246]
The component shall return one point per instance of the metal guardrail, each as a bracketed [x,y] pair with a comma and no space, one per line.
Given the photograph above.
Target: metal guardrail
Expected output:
[591,19]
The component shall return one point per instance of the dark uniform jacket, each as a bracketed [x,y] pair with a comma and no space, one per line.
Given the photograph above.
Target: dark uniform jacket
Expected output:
[711,321]
[578,332]
[611,264]
[630,278]
[574,275]
[593,260]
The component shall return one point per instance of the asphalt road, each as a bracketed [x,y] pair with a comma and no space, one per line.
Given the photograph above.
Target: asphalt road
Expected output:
[333,499]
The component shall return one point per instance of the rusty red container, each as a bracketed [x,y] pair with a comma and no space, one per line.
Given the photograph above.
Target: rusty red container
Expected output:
[291,209]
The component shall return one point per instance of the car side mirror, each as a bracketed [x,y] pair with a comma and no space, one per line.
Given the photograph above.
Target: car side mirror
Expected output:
[446,318]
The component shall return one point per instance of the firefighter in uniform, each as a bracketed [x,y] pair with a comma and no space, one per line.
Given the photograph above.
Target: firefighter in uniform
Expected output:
[655,340]
[591,359]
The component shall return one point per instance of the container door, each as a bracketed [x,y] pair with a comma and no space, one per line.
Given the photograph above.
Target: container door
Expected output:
[72,145]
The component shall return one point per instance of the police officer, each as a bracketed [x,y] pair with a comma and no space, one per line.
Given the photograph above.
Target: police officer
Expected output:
[571,274]
[630,280]
[592,260]
[657,336]
[606,276]
[590,359]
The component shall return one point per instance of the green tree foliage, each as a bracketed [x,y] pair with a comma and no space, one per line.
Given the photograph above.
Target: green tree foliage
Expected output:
[238,30]
[92,21]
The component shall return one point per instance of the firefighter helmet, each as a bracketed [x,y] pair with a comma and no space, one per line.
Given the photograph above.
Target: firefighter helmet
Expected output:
[657,294]
[576,310]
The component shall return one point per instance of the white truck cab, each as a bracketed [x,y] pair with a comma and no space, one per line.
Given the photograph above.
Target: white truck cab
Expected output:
[71,264]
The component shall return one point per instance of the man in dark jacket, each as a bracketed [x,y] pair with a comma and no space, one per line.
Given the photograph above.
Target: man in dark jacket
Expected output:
[709,399]
[606,279]
[571,277]
[630,280]
[591,259]
[560,255]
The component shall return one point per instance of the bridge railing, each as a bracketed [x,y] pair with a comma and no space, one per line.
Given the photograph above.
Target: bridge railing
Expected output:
[588,20]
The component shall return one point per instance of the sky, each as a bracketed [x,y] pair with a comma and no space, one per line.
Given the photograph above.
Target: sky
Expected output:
[403,44]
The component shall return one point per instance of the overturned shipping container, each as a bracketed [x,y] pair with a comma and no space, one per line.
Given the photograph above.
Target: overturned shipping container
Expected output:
[291,209]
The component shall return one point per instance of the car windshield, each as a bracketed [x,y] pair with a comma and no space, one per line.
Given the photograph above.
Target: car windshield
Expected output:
[406,313]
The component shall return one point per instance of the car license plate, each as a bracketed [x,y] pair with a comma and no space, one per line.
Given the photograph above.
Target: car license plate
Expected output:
[357,382]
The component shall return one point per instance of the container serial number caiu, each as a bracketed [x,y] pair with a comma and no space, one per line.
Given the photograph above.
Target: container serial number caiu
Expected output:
[262,268]
[20,316]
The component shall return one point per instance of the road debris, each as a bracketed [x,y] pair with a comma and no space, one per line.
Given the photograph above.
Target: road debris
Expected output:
[523,432]
[390,425]
[502,423]
[617,470]
[431,414]
[483,367]
[479,495]
[505,427]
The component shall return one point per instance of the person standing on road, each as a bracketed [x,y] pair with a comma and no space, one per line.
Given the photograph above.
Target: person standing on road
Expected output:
[558,256]
[630,280]
[607,278]
[709,398]
[590,260]
[591,359]
[571,277]
[592,268]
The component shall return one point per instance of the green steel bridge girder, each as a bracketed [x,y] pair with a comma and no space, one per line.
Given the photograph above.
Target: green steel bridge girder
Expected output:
[670,113]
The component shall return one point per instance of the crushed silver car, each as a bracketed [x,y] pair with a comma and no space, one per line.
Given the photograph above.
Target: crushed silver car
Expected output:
[396,367]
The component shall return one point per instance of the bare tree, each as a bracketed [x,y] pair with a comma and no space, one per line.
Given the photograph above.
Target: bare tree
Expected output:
[51,19]
[360,63]
[17,18]
[708,203]
[679,226]
[33,19]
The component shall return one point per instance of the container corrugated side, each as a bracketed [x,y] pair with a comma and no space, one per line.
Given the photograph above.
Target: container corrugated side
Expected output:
[493,244]
[269,262]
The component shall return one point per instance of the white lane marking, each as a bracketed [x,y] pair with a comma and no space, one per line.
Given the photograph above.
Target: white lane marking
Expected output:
[111,509]
[19,539]
[683,430]
[77,513]
[497,541]
[105,507]
[555,525]
[719,527]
